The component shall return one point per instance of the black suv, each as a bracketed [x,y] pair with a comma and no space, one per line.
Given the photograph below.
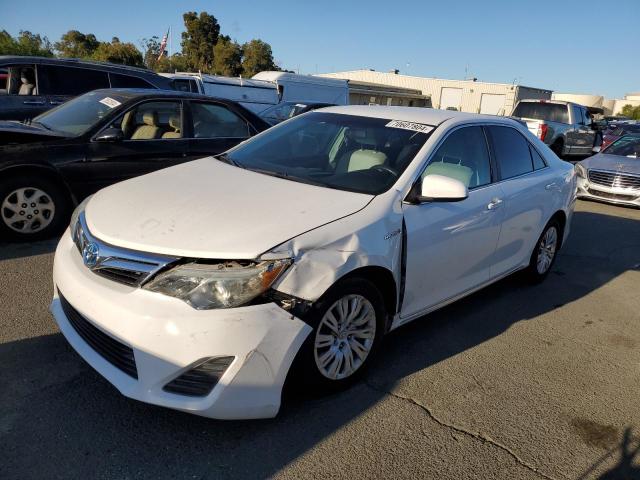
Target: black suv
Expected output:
[32,85]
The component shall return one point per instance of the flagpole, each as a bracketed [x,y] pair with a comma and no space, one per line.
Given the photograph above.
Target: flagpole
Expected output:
[169,41]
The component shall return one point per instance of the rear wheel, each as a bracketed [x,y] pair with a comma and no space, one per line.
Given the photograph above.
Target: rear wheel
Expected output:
[348,324]
[32,208]
[545,252]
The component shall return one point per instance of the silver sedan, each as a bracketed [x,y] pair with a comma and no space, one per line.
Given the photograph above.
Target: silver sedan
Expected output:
[612,175]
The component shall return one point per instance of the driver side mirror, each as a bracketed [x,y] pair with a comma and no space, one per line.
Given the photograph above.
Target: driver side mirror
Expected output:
[110,135]
[438,188]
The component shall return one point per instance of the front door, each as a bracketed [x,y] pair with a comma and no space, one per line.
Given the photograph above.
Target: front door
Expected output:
[450,245]
[153,139]
[23,99]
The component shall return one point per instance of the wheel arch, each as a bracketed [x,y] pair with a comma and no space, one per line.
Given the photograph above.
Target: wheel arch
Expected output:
[46,171]
[561,217]
[383,280]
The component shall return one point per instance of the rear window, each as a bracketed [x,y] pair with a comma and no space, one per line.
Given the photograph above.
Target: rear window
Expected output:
[552,112]
[127,81]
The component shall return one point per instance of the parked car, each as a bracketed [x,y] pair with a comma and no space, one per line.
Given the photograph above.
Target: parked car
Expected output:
[283,111]
[566,127]
[616,131]
[203,286]
[613,175]
[100,138]
[33,85]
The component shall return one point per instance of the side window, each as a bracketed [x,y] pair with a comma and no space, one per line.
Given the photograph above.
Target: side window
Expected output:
[152,121]
[538,161]
[4,81]
[511,151]
[19,80]
[216,121]
[73,81]
[127,81]
[464,156]
[577,115]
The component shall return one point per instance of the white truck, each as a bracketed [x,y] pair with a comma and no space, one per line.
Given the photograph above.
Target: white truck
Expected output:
[265,89]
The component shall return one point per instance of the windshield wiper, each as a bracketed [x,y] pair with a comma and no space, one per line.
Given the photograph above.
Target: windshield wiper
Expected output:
[42,125]
[287,176]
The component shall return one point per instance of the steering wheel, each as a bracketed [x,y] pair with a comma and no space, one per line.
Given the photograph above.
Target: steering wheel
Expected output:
[386,169]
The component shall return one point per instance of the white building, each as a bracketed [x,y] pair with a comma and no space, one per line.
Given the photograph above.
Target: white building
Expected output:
[462,95]
[609,106]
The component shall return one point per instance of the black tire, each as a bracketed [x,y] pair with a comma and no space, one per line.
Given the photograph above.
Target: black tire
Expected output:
[56,222]
[533,273]
[305,371]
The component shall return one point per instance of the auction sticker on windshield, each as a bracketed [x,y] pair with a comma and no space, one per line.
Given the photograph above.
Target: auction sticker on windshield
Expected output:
[416,127]
[110,102]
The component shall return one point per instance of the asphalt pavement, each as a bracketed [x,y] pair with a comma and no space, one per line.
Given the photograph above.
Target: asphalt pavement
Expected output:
[516,381]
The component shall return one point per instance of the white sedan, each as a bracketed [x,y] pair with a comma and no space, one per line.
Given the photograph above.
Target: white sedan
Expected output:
[203,287]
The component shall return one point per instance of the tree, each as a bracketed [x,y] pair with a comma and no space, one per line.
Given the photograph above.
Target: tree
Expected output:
[117,52]
[257,57]
[151,49]
[631,111]
[227,57]
[76,44]
[199,39]
[26,43]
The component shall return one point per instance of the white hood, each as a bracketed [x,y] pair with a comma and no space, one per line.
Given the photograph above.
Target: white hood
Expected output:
[209,209]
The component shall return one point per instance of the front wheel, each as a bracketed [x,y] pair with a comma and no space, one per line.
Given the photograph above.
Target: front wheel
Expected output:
[348,324]
[31,208]
[545,252]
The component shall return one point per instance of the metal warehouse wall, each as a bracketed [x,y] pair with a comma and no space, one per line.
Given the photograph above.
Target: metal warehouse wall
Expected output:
[465,95]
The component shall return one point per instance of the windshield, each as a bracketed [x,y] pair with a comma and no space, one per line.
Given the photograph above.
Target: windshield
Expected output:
[552,112]
[78,115]
[627,146]
[346,152]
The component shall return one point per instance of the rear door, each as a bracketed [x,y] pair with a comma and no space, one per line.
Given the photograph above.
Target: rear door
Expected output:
[153,139]
[214,128]
[62,83]
[527,185]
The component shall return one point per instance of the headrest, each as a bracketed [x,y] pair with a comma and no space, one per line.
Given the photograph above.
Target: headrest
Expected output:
[363,136]
[174,122]
[150,118]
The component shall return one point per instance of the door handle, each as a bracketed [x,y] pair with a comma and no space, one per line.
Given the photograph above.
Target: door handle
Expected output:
[494,203]
[550,186]
[55,102]
[33,102]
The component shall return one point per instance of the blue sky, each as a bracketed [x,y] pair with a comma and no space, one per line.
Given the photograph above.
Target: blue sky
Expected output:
[579,46]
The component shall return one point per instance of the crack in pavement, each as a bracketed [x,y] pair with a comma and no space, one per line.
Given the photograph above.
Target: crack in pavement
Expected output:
[475,435]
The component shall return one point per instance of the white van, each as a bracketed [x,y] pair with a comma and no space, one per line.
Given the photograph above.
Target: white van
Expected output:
[255,95]
[265,89]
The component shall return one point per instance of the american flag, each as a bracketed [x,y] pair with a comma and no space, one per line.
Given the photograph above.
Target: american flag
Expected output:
[163,44]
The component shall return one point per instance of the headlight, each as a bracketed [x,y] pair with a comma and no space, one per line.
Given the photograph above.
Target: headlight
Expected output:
[76,214]
[581,171]
[223,285]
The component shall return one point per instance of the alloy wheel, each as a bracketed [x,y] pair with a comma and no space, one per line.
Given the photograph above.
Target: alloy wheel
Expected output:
[27,210]
[345,336]
[547,250]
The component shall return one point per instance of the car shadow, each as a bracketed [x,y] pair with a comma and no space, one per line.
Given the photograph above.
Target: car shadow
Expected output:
[10,251]
[61,419]
[627,466]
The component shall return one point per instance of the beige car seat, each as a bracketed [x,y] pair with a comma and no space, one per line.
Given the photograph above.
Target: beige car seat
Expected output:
[174,122]
[150,129]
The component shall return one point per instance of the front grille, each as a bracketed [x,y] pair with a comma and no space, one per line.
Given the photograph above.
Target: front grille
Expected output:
[118,264]
[612,196]
[116,353]
[614,179]
[199,381]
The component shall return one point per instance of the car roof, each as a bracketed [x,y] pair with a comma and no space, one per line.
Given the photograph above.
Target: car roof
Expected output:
[78,62]
[153,93]
[428,116]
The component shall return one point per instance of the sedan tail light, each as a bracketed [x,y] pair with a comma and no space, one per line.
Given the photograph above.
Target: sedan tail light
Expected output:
[542,131]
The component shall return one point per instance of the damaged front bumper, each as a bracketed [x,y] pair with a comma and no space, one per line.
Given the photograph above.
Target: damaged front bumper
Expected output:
[168,339]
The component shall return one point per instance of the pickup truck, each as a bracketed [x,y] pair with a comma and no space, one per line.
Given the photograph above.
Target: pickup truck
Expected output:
[566,127]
